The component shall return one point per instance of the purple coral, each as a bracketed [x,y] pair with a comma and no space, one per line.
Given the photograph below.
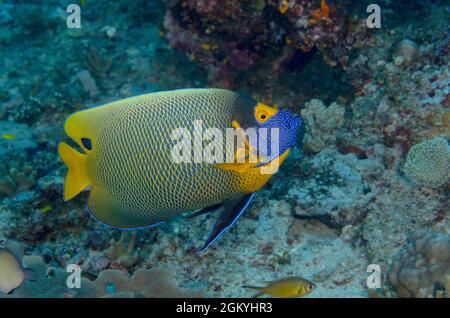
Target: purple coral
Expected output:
[228,37]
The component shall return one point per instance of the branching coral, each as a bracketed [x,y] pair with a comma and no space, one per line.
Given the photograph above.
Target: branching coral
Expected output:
[428,163]
[422,267]
[122,252]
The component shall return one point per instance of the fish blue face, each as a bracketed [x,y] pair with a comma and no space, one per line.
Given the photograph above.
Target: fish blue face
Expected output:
[288,125]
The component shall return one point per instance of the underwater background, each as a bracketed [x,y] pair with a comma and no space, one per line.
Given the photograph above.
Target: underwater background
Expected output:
[368,183]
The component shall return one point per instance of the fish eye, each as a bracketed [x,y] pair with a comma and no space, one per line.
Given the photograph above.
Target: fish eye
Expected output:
[263,113]
[262,116]
[86,143]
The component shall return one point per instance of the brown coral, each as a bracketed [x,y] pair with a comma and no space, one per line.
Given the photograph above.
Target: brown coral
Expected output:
[152,283]
[422,267]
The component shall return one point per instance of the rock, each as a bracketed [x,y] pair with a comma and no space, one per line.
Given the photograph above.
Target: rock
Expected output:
[322,124]
[336,191]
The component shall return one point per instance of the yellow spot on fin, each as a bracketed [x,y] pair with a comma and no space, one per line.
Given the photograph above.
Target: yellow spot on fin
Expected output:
[77,178]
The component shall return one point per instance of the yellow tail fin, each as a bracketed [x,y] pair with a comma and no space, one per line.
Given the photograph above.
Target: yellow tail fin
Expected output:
[77,178]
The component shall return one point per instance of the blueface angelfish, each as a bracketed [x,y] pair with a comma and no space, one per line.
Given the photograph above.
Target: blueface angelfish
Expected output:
[127,163]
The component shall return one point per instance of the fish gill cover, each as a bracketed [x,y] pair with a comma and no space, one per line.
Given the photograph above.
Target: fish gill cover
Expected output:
[359,208]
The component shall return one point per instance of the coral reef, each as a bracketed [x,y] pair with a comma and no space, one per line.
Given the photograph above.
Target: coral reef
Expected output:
[122,252]
[428,163]
[398,211]
[150,283]
[322,124]
[22,138]
[49,282]
[335,189]
[264,33]
[422,267]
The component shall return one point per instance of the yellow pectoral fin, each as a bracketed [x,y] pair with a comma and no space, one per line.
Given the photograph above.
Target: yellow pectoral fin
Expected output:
[77,178]
[238,167]
[242,154]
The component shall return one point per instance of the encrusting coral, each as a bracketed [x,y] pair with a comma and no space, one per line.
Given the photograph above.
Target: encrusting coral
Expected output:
[264,33]
[428,163]
[52,282]
[153,283]
[322,124]
[422,268]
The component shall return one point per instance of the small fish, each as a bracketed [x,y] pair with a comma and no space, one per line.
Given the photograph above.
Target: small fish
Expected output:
[12,274]
[8,136]
[289,287]
[46,208]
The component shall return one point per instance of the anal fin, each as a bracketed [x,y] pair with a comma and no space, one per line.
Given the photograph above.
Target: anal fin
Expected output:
[233,210]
